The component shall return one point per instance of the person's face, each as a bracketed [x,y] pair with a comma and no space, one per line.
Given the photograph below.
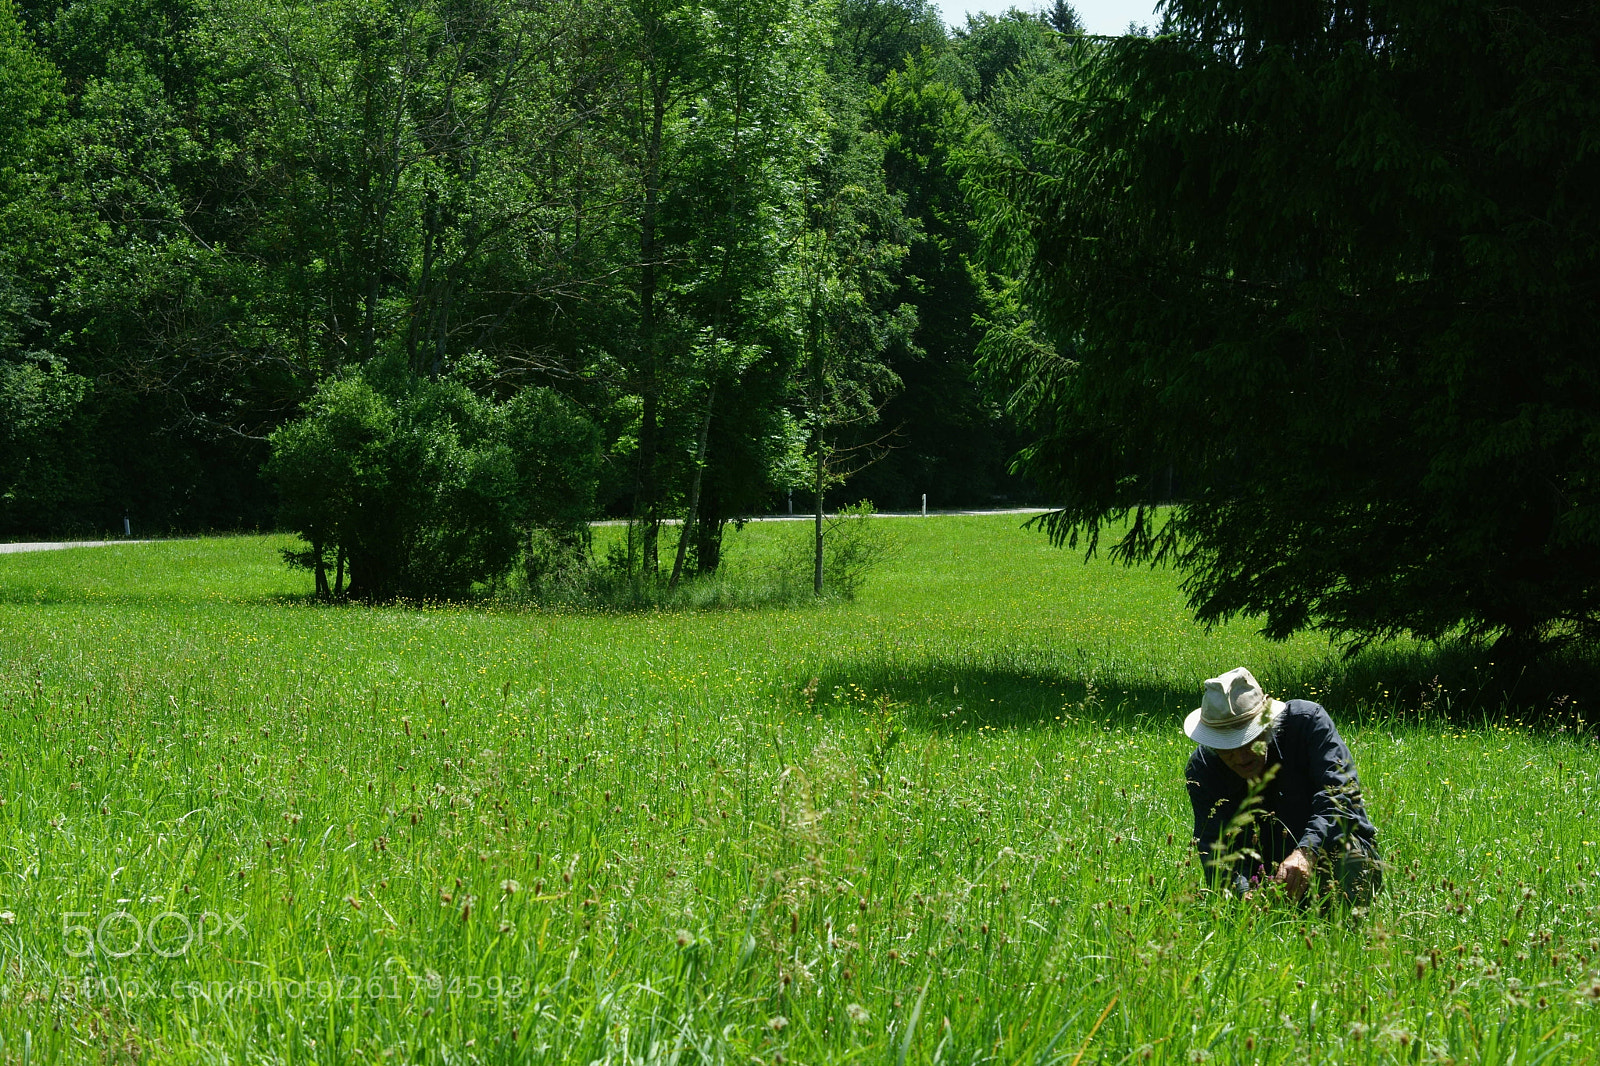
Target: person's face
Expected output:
[1249,762]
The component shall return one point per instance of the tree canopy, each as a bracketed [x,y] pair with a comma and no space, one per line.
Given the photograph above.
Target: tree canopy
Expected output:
[243,246]
[433,283]
[1325,274]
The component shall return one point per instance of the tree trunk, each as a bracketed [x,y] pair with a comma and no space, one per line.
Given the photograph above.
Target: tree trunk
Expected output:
[418,329]
[321,569]
[816,572]
[646,517]
[371,577]
[646,492]
[708,532]
[694,490]
[818,383]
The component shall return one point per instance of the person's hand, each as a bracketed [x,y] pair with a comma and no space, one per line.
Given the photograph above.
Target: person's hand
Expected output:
[1295,873]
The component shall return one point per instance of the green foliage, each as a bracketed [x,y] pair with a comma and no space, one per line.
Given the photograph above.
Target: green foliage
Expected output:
[210,207]
[943,443]
[762,570]
[418,200]
[555,451]
[991,50]
[426,493]
[1062,18]
[845,275]
[37,400]
[855,543]
[1326,272]
[873,38]
[568,580]
[280,193]
[856,325]
[723,124]
[557,455]
[39,395]
[940,112]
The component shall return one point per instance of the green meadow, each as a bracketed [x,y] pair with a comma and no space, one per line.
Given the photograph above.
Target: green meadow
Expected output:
[943,823]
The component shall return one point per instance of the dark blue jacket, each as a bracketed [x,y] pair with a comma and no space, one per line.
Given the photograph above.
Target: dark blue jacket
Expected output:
[1312,801]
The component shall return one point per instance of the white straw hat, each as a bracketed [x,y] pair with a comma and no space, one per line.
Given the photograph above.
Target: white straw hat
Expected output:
[1233,711]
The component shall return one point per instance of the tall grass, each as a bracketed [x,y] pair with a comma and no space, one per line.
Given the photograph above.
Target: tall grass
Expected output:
[773,569]
[943,823]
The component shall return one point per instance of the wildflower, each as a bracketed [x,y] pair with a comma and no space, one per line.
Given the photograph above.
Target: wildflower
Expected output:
[858,1014]
[510,887]
[777,1023]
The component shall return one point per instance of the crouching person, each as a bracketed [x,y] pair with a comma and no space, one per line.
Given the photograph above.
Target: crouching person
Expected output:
[1276,796]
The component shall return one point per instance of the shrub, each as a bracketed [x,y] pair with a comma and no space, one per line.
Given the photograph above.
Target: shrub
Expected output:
[425,490]
[854,543]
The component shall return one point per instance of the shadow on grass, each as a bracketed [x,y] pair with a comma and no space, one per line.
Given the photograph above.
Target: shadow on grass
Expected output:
[950,695]
[1462,684]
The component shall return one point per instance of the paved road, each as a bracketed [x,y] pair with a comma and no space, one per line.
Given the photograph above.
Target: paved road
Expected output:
[800,516]
[57,545]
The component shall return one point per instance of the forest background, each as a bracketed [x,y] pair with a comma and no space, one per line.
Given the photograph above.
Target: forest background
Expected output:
[696,232]
[434,284]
